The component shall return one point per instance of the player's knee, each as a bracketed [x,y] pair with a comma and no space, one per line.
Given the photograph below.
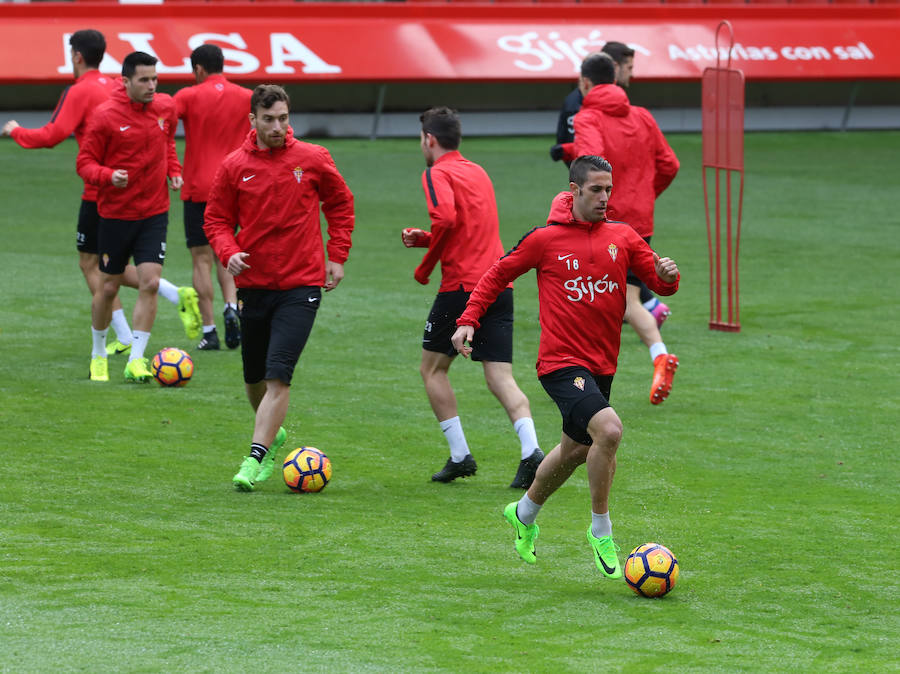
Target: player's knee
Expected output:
[606,428]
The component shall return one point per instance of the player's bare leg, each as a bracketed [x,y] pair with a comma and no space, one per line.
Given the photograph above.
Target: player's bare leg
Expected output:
[202,260]
[89,263]
[148,275]
[270,399]
[605,429]
[500,382]
[434,369]
[103,294]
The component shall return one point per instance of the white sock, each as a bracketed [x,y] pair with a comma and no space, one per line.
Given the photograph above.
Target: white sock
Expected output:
[168,290]
[527,510]
[99,342]
[600,525]
[453,431]
[209,328]
[527,436]
[139,344]
[230,305]
[650,304]
[657,349]
[120,325]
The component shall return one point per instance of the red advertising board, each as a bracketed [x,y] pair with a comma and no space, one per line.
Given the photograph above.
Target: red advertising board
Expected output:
[409,42]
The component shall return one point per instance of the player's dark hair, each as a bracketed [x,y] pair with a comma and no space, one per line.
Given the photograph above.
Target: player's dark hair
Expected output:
[209,56]
[585,164]
[599,68]
[266,95]
[135,59]
[619,51]
[443,124]
[90,44]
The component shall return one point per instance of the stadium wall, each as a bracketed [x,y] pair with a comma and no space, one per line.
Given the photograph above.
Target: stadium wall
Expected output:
[367,68]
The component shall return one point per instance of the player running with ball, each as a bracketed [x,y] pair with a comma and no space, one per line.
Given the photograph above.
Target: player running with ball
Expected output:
[581,261]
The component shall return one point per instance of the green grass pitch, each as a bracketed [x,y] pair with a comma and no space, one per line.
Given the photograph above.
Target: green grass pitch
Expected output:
[770,472]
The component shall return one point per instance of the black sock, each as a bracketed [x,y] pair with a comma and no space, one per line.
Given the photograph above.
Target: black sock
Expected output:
[258,451]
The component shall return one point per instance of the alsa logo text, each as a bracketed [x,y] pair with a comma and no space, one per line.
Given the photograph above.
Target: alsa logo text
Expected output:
[284,49]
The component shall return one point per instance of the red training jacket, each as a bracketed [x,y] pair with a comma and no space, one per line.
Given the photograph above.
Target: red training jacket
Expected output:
[465,229]
[215,115]
[581,270]
[136,137]
[72,112]
[274,194]
[628,138]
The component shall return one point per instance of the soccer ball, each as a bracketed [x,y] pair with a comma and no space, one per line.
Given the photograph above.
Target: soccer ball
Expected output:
[172,367]
[306,469]
[651,570]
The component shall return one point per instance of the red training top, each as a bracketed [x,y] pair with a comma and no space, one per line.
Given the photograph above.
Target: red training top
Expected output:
[136,137]
[643,164]
[274,194]
[581,270]
[75,106]
[465,229]
[215,119]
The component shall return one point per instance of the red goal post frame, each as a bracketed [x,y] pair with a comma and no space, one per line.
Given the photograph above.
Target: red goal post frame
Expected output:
[723,153]
[454,42]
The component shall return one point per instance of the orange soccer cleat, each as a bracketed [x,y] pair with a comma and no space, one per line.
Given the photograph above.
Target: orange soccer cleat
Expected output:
[664,366]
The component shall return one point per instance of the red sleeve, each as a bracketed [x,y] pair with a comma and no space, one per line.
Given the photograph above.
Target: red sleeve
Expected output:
[174,167]
[221,216]
[588,136]
[526,255]
[337,205]
[66,118]
[666,162]
[442,212]
[643,264]
[180,97]
[90,154]
[569,152]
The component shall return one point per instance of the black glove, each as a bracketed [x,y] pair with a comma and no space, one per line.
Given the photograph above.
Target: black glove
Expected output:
[556,152]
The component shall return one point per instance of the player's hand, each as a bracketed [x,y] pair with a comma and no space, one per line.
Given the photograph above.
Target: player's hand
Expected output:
[411,235]
[334,272]
[176,182]
[462,338]
[421,276]
[119,178]
[556,152]
[666,268]
[8,127]
[236,263]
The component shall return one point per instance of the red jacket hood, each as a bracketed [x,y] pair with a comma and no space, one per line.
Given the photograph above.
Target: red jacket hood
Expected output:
[250,141]
[610,99]
[561,211]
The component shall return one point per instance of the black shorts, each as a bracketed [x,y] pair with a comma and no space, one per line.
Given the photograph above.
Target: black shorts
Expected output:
[493,341]
[193,224]
[631,279]
[275,325]
[86,234]
[579,395]
[143,240]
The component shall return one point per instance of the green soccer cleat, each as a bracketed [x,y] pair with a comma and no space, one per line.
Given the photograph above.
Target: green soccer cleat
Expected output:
[605,556]
[268,463]
[99,369]
[136,370]
[189,310]
[246,476]
[117,348]
[525,534]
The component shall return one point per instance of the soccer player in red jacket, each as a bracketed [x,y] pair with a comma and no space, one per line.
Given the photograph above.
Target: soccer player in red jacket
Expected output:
[75,107]
[465,238]
[272,185]
[582,262]
[128,153]
[214,112]
[627,136]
